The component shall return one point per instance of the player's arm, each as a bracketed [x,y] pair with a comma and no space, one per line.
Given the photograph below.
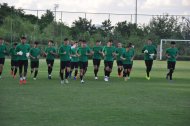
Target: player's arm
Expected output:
[89,52]
[144,50]
[122,57]
[167,54]
[53,52]
[30,55]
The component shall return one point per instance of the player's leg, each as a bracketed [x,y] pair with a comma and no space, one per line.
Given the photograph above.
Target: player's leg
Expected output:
[125,72]
[172,70]
[81,71]
[25,70]
[95,64]
[20,63]
[171,67]
[85,67]
[106,70]
[110,65]
[50,67]
[36,69]
[12,67]
[119,68]
[128,70]
[61,72]
[71,70]
[32,66]
[76,70]
[2,61]
[67,71]
[148,68]
[15,63]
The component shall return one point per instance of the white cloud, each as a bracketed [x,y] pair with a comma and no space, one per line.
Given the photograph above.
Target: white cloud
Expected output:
[186,2]
[153,4]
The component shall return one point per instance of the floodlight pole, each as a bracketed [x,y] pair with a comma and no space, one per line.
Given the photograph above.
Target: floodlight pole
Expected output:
[136,11]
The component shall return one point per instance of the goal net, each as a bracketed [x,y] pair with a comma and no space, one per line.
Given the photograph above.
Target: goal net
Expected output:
[183,47]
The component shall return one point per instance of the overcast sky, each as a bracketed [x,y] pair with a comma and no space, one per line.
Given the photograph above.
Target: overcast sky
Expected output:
[175,7]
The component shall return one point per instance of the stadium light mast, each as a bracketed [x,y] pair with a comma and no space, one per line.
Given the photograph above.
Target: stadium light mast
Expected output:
[55,7]
[136,11]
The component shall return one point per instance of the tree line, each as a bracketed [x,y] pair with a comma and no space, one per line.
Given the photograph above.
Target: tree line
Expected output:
[15,23]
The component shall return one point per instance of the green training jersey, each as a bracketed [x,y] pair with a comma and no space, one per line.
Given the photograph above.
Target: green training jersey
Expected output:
[172,52]
[151,50]
[13,54]
[83,51]
[97,52]
[132,51]
[65,49]
[108,51]
[3,50]
[127,55]
[74,57]
[25,48]
[48,51]
[35,52]
[119,52]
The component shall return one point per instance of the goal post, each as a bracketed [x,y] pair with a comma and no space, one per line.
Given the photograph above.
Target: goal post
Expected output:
[169,40]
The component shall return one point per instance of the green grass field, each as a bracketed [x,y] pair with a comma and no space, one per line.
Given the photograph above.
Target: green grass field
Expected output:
[137,102]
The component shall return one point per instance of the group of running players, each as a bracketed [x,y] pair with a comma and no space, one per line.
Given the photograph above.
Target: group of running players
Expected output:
[75,56]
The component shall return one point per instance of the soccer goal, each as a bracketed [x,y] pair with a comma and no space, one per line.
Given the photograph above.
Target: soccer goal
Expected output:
[182,45]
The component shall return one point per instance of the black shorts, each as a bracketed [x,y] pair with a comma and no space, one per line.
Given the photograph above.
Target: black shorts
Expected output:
[119,63]
[83,65]
[64,64]
[51,62]
[34,64]
[96,62]
[171,65]
[14,63]
[22,63]
[127,66]
[2,61]
[148,63]
[108,64]
[74,65]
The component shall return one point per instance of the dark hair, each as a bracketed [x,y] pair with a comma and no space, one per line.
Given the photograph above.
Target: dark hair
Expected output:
[84,41]
[15,44]
[97,41]
[66,39]
[76,42]
[172,42]
[80,40]
[150,39]
[128,46]
[110,40]
[36,42]
[23,37]
[51,41]
[1,38]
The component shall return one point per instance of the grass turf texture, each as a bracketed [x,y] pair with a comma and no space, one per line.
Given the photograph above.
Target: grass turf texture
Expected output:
[137,102]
